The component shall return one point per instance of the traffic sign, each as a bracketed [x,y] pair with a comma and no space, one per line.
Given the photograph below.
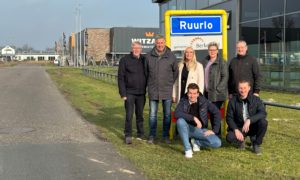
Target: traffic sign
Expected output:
[195,25]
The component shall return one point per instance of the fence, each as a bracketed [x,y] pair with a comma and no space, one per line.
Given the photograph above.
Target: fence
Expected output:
[110,78]
[113,79]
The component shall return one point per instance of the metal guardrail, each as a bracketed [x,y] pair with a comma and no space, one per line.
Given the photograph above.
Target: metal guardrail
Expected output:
[110,78]
[113,79]
[281,105]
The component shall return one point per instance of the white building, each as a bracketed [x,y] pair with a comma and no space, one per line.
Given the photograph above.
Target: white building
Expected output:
[8,53]
[36,56]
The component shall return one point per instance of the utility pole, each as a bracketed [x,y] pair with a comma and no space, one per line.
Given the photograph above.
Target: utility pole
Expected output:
[76,36]
[80,42]
[78,33]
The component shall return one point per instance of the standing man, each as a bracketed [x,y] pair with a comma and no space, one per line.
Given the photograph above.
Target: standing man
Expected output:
[162,72]
[132,88]
[243,67]
[246,116]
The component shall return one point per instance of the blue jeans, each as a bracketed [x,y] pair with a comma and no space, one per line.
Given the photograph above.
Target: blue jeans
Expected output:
[187,131]
[166,104]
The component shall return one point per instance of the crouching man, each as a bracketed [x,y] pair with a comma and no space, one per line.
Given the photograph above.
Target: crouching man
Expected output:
[192,120]
[246,116]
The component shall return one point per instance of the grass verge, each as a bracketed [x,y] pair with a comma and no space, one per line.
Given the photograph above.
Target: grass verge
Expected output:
[99,103]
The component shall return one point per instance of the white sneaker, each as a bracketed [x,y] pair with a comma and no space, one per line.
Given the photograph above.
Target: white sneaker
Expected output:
[196,148]
[189,154]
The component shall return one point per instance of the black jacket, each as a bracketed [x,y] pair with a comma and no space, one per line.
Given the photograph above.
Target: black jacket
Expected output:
[162,72]
[205,107]
[234,116]
[132,75]
[244,68]
[218,79]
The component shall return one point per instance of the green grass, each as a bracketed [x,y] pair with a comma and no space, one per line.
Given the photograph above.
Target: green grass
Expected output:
[99,103]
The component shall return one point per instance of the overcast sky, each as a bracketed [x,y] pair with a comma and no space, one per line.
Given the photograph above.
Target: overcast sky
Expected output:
[39,23]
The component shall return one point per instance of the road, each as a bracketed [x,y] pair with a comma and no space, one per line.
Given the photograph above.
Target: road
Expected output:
[43,137]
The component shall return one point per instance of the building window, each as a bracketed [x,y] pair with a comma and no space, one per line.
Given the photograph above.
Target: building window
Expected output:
[271,8]
[292,37]
[40,58]
[249,33]
[292,6]
[172,5]
[212,2]
[271,40]
[292,50]
[191,4]
[249,9]
[202,4]
[272,52]
[163,9]
[181,4]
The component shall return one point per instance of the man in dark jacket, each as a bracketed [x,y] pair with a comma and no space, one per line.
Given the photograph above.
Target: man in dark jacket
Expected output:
[246,116]
[162,72]
[192,121]
[132,89]
[243,67]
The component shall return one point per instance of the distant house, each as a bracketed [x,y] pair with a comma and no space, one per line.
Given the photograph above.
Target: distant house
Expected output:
[8,53]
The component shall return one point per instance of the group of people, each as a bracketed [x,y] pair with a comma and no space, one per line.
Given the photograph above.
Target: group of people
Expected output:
[199,89]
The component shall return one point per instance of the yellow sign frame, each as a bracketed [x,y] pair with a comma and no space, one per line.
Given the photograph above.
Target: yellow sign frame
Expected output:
[170,13]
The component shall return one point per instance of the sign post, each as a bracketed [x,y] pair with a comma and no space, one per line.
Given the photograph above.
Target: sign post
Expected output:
[197,28]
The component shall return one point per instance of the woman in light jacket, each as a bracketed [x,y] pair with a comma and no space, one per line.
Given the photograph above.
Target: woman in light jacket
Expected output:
[215,77]
[190,71]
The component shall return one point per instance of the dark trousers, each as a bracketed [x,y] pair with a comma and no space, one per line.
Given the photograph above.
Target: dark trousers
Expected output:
[212,120]
[137,103]
[257,130]
[218,104]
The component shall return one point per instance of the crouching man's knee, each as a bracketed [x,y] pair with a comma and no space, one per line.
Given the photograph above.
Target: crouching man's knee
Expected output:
[181,122]
[215,142]
[263,123]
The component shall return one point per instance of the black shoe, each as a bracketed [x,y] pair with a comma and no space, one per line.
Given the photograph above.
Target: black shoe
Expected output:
[256,149]
[150,140]
[242,145]
[128,140]
[167,140]
[252,139]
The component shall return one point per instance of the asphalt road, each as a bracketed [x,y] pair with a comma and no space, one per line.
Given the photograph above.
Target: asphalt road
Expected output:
[42,137]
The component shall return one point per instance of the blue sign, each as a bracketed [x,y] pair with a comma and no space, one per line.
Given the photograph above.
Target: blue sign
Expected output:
[193,25]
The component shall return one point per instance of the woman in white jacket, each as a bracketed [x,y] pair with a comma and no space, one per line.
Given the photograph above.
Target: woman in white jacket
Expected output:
[190,71]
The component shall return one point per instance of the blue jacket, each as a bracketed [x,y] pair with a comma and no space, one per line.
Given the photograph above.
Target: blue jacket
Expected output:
[205,107]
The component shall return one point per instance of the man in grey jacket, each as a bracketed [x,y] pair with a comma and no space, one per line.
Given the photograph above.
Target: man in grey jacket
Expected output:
[162,72]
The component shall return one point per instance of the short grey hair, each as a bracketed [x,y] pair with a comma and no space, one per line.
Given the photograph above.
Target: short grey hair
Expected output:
[136,43]
[242,41]
[159,36]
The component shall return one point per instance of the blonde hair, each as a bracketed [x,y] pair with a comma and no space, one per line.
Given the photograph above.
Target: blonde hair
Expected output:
[192,64]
